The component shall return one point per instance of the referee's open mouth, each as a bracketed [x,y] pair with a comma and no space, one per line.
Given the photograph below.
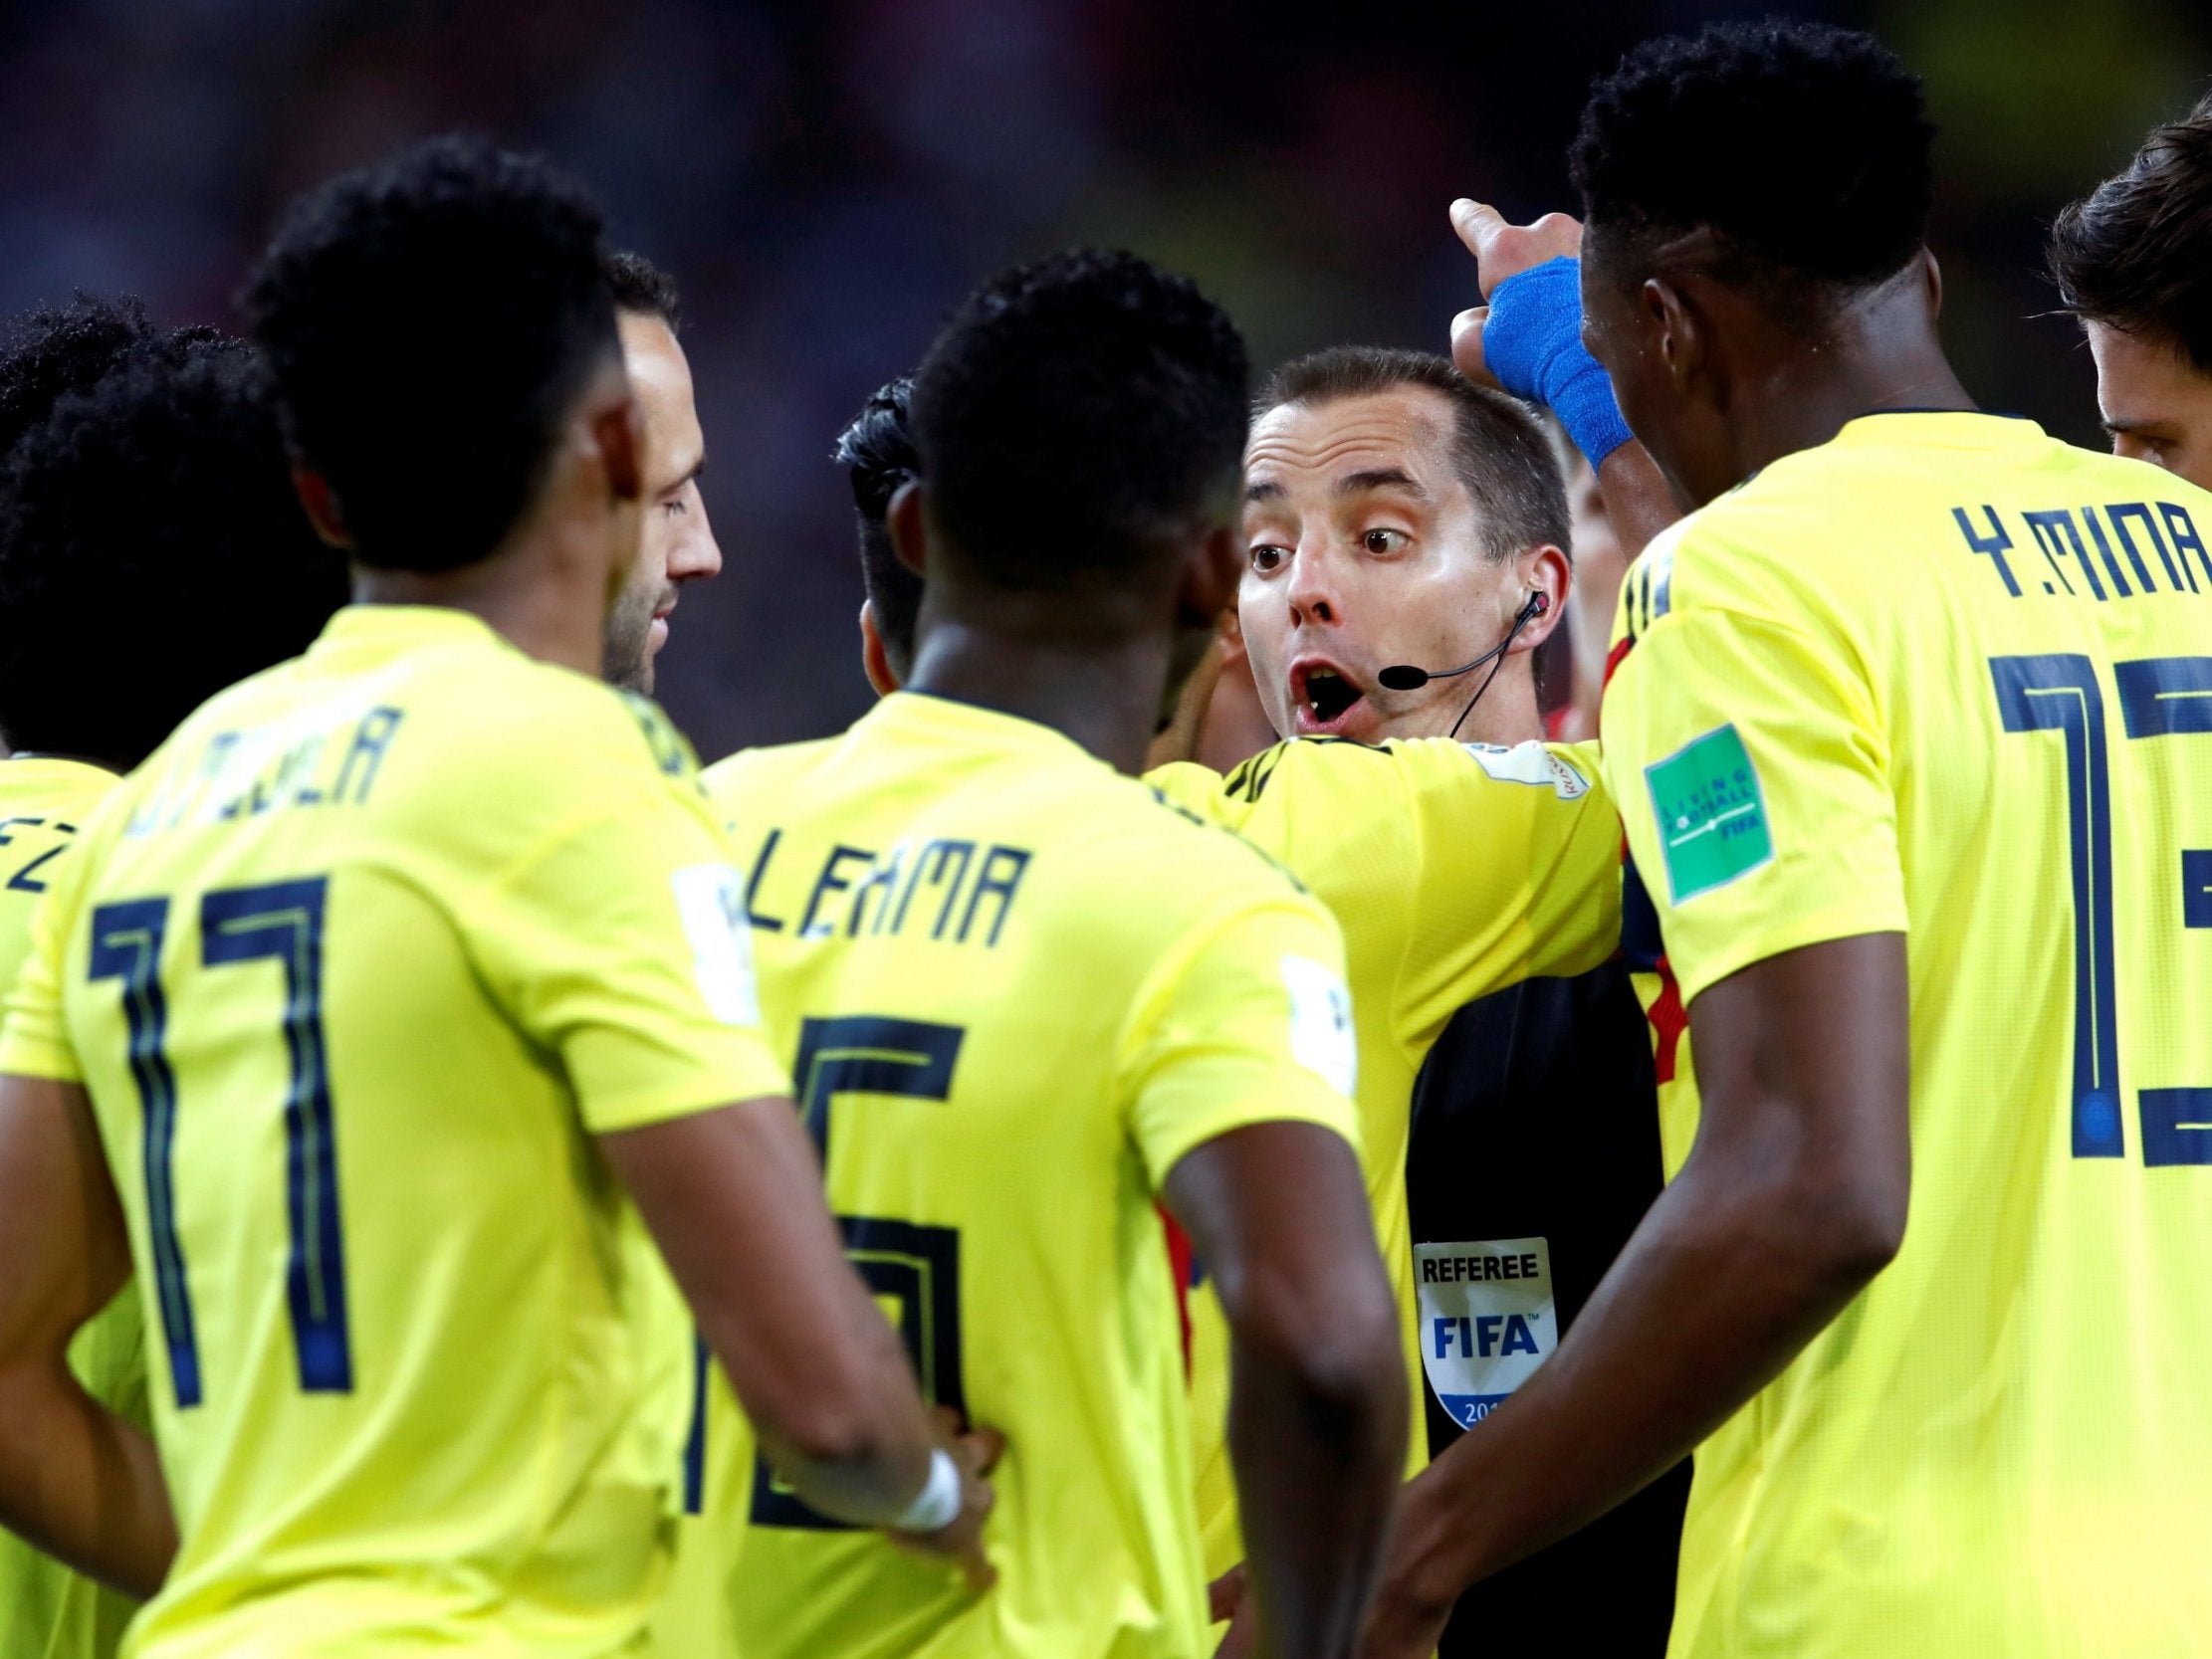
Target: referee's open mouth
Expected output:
[1325,697]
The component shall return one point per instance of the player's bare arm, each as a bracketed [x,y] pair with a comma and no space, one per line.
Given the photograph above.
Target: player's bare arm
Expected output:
[1793,1199]
[733,1198]
[1637,499]
[1317,1415]
[75,1478]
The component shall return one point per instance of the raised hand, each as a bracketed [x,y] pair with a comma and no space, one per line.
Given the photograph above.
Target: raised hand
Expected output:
[1501,250]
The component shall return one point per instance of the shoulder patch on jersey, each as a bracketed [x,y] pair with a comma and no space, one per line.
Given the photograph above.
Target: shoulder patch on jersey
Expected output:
[1710,813]
[1658,581]
[1531,763]
[711,900]
[1322,1034]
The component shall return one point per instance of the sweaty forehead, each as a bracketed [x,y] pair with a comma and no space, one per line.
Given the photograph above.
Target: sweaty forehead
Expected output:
[1406,429]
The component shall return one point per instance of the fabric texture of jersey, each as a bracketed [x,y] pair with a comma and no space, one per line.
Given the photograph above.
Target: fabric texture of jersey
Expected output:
[696,1613]
[1017,988]
[351,969]
[1454,870]
[45,1610]
[1947,676]
[1534,1143]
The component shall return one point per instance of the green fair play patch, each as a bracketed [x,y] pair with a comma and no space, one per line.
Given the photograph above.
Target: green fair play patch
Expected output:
[1713,819]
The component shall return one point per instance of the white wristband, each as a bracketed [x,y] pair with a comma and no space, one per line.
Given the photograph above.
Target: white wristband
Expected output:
[938,1503]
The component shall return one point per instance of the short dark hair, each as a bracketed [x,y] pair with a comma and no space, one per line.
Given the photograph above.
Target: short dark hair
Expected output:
[56,349]
[451,278]
[642,289]
[151,552]
[2136,253]
[1499,448]
[1805,150]
[1075,414]
[876,449]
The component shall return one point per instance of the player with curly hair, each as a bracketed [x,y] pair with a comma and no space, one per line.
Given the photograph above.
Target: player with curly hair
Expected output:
[1900,727]
[389,1015]
[1035,999]
[151,552]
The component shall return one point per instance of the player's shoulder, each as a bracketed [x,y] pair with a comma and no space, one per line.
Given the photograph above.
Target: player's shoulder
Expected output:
[1310,769]
[458,739]
[506,722]
[506,702]
[1139,868]
[1309,781]
[1570,771]
[34,787]
[1743,550]
[765,772]
[1843,524]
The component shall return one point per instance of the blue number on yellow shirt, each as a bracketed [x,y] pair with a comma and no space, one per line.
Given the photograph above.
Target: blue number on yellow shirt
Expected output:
[281,920]
[2060,693]
[915,1267]
[284,921]
[2162,697]
[25,879]
[2159,696]
[127,945]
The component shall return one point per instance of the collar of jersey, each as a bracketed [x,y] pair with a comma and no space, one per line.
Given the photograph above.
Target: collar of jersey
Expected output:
[931,712]
[1950,428]
[353,626]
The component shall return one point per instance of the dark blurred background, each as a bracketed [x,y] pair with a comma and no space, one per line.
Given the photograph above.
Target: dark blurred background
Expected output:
[826,179]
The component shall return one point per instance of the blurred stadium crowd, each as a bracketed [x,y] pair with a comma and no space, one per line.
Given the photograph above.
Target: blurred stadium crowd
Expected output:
[827,179]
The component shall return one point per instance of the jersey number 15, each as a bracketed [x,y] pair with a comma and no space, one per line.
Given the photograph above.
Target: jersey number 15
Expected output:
[914,1267]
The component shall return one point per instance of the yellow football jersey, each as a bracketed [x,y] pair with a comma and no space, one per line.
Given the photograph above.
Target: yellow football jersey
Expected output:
[696,1613]
[1455,870]
[1947,676]
[352,968]
[45,1610]
[1017,988]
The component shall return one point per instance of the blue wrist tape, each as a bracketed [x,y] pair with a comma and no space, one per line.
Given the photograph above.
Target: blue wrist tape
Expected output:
[1533,342]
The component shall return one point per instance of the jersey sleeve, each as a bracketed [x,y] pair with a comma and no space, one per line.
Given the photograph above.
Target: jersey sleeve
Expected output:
[620,945]
[1249,1023]
[1458,869]
[35,1041]
[1518,853]
[1752,774]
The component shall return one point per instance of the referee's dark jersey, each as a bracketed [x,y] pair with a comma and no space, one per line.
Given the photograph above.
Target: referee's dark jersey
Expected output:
[1534,1153]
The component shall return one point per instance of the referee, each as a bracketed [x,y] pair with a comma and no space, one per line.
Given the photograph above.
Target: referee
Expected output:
[1535,1151]
[1534,1143]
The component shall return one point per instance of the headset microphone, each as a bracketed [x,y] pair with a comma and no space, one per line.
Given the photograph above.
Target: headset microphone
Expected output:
[1403,676]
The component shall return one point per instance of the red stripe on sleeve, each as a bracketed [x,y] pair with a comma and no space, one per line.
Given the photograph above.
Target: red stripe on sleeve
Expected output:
[1179,1263]
[1669,1019]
